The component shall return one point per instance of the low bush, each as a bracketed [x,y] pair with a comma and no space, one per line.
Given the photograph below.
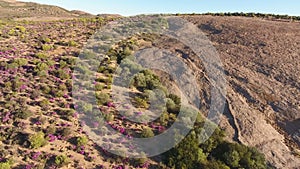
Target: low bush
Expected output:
[62,64]
[12,32]
[41,67]
[50,130]
[7,164]
[21,61]
[141,102]
[41,55]
[146,80]
[61,160]
[44,104]
[62,74]
[109,117]
[72,43]
[82,141]
[66,132]
[98,87]
[102,98]
[47,47]
[24,113]
[147,132]
[22,29]
[37,140]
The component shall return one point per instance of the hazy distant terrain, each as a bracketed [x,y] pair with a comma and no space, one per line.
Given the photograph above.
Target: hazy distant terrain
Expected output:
[11,9]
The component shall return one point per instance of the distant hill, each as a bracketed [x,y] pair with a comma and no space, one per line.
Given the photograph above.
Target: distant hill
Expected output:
[11,9]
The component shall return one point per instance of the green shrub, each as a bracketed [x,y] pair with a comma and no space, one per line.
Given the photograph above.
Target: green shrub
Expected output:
[141,103]
[105,80]
[56,92]
[24,113]
[98,87]
[127,51]
[175,98]
[62,64]
[140,161]
[87,108]
[198,152]
[101,69]
[109,117]
[42,74]
[12,32]
[41,67]
[215,165]
[186,154]
[239,156]
[66,132]
[146,80]
[47,47]
[22,29]
[62,87]
[16,84]
[45,39]
[12,65]
[61,160]
[82,141]
[51,62]
[72,43]
[172,107]
[63,74]
[87,55]
[6,164]
[44,104]
[50,130]
[21,61]
[46,89]
[67,113]
[147,132]
[37,140]
[71,61]
[41,55]
[8,85]
[102,98]
[164,118]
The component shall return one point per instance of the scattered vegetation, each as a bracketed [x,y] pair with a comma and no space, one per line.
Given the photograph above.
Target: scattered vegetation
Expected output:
[40,70]
[251,14]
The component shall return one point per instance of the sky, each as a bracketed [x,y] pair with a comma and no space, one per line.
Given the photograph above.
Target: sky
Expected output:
[135,7]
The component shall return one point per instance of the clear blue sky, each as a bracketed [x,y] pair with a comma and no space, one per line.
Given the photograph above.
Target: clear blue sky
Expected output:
[133,7]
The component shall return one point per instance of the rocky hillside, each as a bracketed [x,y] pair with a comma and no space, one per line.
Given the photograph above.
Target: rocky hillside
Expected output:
[261,60]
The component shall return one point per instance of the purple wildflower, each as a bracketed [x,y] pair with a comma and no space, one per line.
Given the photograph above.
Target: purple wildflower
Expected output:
[110,104]
[28,166]
[38,123]
[36,155]
[95,124]
[76,115]
[52,137]
[23,87]
[81,152]
[6,117]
